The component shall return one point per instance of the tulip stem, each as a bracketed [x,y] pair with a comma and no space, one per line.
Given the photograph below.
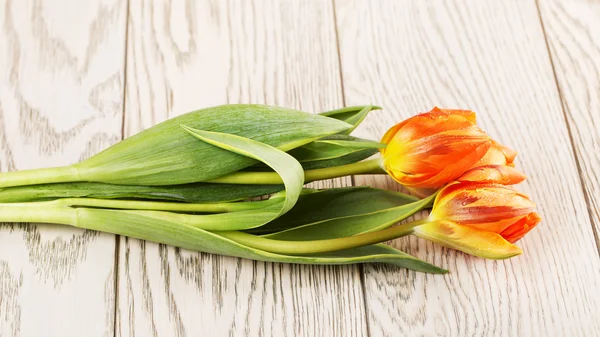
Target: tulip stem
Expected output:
[55,211]
[44,212]
[224,207]
[39,176]
[321,246]
[272,178]
[70,173]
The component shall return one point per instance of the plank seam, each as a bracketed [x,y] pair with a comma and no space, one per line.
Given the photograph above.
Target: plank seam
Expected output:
[118,237]
[361,268]
[564,108]
[339,57]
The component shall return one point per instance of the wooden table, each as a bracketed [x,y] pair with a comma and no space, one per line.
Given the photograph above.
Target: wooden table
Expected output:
[77,76]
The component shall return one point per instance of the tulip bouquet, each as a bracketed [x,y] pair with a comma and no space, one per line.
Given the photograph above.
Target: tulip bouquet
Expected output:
[193,182]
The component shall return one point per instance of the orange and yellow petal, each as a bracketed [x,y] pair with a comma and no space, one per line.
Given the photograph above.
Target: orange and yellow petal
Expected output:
[470,240]
[499,174]
[390,133]
[429,123]
[509,153]
[497,154]
[517,230]
[454,168]
[467,114]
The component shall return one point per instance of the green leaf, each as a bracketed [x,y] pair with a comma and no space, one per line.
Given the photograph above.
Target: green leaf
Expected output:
[352,144]
[351,158]
[352,115]
[335,150]
[165,154]
[191,193]
[285,165]
[343,226]
[330,148]
[184,236]
[385,254]
[336,203]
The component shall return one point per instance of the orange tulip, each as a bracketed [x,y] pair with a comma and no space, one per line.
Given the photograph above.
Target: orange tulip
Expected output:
[482,219]
[433,148]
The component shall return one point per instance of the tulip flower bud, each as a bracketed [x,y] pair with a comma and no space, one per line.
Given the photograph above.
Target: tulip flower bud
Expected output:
[433,148]
[482,219]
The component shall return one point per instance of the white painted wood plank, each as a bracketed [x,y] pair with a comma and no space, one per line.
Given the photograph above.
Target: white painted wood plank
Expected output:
[573,34]
[186,56]
[61,94]
[491,57]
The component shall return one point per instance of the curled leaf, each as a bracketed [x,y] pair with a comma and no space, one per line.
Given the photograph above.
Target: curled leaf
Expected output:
[352,115]
[285,165]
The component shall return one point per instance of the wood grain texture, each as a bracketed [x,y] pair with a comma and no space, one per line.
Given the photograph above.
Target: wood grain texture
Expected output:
[61,94]
[491,57]
[184,56]
[573,34]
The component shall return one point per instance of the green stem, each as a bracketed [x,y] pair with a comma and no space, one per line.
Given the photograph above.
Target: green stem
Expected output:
[39,176]
[45,212]
[225,207]
[33,209]
[71,173]
[270,178]
[321,246]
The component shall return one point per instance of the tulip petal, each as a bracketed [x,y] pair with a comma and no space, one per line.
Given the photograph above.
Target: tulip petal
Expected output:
[469,240]
[468,114]
[516,231]
[455,169]
[428,124]
[497,154]
[509,153]
[499,174]
[389,135]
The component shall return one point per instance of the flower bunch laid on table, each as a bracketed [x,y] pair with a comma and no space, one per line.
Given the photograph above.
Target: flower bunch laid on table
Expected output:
[192,182]
[475,211]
